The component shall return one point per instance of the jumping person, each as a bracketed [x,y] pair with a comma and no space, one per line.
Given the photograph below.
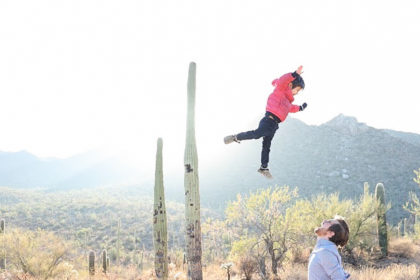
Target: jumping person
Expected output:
[325,261]
[279,105]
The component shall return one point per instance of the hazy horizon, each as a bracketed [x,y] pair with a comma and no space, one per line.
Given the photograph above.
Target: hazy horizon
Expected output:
[112,153]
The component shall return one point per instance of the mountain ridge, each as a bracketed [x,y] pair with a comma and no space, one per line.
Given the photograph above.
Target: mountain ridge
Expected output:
[337,156]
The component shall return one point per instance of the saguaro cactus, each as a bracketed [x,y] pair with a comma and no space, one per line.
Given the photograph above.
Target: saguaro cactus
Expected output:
[191,184]
[92,263]
[104,261]
[118,241]
[160,233]
[3,253]
[382,228]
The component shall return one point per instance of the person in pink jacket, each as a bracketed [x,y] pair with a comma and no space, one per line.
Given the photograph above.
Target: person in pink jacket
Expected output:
[279,105]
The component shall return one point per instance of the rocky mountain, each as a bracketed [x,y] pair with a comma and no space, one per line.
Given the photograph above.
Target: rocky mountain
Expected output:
[338,156]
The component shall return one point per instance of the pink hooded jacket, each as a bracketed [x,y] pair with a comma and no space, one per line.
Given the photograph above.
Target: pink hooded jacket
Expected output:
[280,101]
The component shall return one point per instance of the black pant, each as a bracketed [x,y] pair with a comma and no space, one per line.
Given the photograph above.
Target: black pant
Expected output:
[266,129]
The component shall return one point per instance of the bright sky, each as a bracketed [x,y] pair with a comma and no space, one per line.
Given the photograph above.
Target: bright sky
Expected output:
[84,74]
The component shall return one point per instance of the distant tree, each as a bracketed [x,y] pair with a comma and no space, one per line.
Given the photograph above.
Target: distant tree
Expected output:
[413,205]
[261,219]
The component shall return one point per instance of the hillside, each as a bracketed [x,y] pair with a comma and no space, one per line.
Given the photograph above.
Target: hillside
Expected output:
[338,156]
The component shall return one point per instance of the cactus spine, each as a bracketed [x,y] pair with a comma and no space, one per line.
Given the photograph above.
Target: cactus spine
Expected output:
[104,261]
[3,255]
[381,215]
[92,263]
[160,235]
[191,185]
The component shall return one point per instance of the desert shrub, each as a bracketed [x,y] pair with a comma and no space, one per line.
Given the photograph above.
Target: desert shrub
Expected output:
[39,254]
[248,266]
[360,215]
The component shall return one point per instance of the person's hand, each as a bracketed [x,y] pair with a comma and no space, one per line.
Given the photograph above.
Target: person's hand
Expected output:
[299,70]
[303,106]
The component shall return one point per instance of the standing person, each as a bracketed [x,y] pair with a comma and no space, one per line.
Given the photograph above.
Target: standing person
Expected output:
[279,105]
[325,261]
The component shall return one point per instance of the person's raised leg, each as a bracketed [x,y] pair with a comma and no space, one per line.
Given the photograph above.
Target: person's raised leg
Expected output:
[262,130]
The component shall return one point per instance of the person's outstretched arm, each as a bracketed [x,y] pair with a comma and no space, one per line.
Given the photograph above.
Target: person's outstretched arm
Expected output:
[296,108]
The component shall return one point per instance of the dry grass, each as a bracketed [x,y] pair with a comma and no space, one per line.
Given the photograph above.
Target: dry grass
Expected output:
[403,248]
[294,272]
[393,272]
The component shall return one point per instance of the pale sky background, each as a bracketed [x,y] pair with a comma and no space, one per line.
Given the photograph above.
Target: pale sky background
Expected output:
[82,74]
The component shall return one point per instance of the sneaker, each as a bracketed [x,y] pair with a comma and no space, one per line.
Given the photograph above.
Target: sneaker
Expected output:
[265,172]
[231,138]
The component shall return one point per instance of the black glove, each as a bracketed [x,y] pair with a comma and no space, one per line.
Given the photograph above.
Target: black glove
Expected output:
[303,106]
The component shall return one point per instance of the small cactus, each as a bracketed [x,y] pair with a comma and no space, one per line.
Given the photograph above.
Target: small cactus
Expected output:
[228,267]
[400,232]
[405,227]
[3,256]
[118,241]
[92,263]
[104,261]
[3,263]
[381,216]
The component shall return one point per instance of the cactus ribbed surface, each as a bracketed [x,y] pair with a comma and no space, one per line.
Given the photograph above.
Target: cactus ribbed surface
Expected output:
[191,185]
[104,262]
[91,263]
[160,235]
[381,215]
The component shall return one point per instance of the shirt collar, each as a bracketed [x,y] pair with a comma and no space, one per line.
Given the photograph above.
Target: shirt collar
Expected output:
[324,242]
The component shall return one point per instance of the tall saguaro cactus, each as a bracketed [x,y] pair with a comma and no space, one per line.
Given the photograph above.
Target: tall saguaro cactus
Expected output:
[382,228]
[191,184]
[160,232]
